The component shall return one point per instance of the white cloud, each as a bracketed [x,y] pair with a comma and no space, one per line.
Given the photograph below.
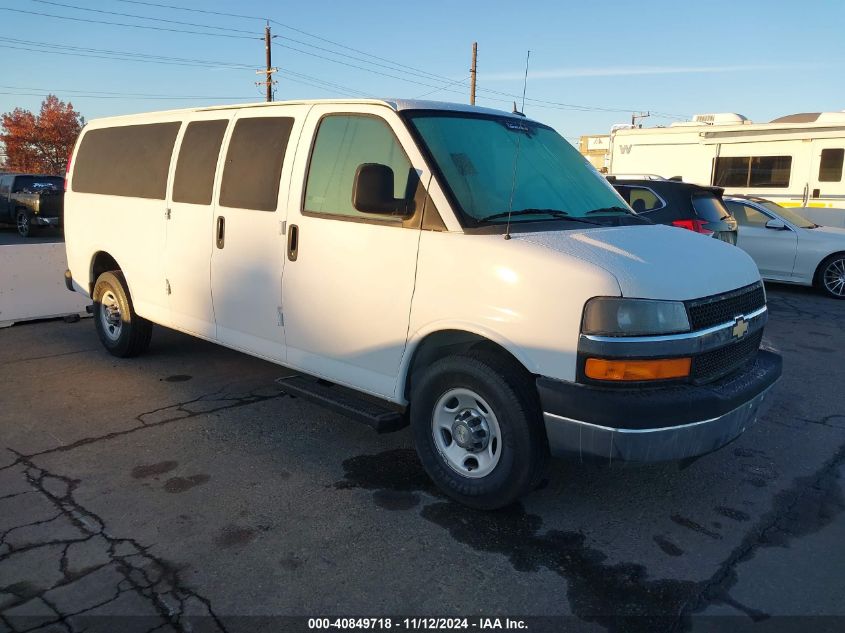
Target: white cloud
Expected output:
[618,71]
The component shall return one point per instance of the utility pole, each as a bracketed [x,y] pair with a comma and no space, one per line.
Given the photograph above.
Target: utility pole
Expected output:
[472,73]
[269,70]
[638,115]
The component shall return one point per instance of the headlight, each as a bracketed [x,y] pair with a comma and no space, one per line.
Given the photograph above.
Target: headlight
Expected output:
[617,316]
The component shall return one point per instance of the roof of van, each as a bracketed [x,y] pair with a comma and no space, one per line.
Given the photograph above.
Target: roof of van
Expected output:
[397,105]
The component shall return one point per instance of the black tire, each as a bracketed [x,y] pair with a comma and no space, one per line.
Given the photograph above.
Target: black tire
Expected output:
[829,270]
[125,334]
[23,221]
[510,392]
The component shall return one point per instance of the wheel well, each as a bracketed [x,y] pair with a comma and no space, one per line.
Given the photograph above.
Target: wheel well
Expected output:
[102,263]
[817,274]
[444,343]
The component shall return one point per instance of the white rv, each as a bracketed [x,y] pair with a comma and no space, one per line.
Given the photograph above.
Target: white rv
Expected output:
[795,160]
[460,269]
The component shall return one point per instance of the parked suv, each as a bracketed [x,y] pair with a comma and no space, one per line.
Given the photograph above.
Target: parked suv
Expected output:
[685,205]
[455,268]
[31,200]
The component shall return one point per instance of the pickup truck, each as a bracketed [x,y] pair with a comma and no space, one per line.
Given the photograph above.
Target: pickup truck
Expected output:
[31,200]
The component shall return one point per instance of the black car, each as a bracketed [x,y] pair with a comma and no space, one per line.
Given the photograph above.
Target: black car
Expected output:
[682,204]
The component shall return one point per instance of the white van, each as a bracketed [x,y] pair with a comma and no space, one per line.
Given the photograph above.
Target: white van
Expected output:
[460,269]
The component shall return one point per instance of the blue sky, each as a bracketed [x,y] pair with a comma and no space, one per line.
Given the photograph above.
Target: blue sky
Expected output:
[760,58]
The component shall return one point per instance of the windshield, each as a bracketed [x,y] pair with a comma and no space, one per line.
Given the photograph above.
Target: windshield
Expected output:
[787,214]
[37,184]
[477,155]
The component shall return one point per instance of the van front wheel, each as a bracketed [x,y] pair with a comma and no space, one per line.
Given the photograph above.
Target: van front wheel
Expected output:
[122,332]
[476,424]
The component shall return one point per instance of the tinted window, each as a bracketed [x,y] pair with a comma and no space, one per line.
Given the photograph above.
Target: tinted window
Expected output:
[746,215]
[37,184]
[770,171]
[197,162]
[132,160]
[753,171]
[5,184]
[254,163]
[708,207]
[343,143]
[830,167]
[731,172]
[641,199]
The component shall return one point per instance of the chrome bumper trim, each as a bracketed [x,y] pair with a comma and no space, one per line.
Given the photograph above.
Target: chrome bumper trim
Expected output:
[576,437]
[686,343]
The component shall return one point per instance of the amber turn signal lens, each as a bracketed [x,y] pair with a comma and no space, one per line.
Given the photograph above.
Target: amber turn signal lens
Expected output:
[633,370]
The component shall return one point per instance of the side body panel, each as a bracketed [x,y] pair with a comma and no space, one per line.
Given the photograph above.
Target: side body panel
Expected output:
[347,296]
[246,270]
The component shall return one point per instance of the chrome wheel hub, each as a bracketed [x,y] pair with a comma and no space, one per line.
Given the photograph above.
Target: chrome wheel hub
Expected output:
[110,317]
[834,277]
[466,433]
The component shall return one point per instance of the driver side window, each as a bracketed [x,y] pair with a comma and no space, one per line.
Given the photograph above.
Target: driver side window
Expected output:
[343,143]
[748,216]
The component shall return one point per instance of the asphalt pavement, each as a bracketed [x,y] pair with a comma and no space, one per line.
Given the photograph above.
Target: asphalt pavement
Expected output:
[185,490]
[9,235]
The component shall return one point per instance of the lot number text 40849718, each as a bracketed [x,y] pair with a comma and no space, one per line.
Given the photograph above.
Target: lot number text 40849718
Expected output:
[414,624]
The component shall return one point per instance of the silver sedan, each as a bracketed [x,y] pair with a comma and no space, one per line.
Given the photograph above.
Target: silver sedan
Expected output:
[789,248]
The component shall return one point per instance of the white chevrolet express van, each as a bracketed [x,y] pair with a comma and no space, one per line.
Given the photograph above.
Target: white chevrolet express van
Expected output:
[460,269]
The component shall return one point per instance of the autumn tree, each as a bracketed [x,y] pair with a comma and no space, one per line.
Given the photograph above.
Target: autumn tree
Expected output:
[40,144]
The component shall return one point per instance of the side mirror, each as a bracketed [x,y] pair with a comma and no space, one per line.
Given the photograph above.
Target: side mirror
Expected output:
[777,225]
[372,191]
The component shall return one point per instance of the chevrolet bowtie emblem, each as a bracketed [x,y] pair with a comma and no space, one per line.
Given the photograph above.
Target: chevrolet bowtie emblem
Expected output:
[740,327]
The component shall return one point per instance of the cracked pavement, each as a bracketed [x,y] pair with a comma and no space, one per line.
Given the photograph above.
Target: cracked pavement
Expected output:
[183,491]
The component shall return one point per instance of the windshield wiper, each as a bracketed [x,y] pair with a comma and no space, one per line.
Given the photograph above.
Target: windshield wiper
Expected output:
[612,210]
[555,213]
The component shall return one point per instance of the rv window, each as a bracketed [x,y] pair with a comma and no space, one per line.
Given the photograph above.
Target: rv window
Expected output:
[731,172]
[770,171]
[254,163]
[197,161]
[753,171]
[131,160]
[830,167]
[343,143]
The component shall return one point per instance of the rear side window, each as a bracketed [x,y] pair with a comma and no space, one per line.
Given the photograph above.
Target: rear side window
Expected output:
[254,163]
[343,143]
[132,160]
[197,161]
[641,199]
[5,184]
[830,167]
[709,207]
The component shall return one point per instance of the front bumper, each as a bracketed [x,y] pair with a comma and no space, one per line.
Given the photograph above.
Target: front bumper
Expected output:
[656,424]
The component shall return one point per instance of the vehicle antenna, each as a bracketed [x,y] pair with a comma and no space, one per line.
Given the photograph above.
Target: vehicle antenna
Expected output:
[516,156]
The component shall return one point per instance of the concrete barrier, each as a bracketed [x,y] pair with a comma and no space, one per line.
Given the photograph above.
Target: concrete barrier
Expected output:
[32,284]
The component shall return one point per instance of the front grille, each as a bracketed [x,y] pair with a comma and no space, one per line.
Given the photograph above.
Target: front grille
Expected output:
[720,362]
[718,309]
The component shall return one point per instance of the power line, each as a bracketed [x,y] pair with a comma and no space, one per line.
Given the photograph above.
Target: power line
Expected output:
[134,26]
[171,6]
[142,17]
[394,66]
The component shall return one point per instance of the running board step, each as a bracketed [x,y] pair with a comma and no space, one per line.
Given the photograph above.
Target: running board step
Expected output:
[345,401]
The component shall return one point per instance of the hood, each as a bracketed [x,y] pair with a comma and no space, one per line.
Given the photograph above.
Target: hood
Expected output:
[826,232]
[656,262]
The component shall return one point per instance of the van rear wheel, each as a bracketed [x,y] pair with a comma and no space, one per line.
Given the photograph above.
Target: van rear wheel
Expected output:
[122,332]
[477,429]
